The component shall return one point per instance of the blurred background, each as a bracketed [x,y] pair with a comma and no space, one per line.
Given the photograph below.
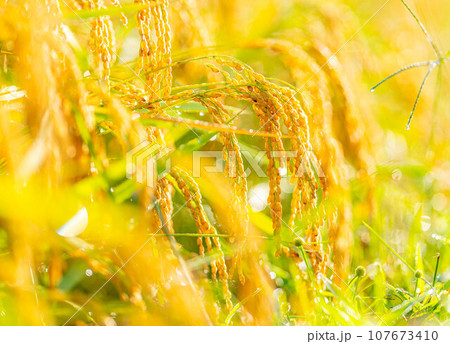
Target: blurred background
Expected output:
[395,182]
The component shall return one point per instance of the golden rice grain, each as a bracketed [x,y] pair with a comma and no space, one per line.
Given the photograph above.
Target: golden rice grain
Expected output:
[192,195]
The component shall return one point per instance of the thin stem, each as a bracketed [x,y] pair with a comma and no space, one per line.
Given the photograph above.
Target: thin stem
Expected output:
[436,269]
[240,304]
[147,120]
[206,84]
[389,247]
[415,288]
[356,287]
[352,280]
[197,58]
[90,13]
[196,235]
[408,125]
[308,266]
[414,65]
[393,251]
[435,48]
[437,92]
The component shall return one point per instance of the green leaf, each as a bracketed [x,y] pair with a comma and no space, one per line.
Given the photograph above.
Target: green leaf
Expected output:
[239,305]
[73,276]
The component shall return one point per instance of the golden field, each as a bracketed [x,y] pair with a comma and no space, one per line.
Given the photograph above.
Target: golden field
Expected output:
[308,149]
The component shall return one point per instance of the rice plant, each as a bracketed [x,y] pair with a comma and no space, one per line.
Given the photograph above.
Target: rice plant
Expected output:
[220,163]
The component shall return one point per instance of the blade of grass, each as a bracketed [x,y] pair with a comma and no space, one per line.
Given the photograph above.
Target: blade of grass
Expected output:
[436,269]
[389,247]
[239,305]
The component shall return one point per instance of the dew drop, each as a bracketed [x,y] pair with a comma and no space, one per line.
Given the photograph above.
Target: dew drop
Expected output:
[396,174]
[110,322]
[439,201]
[279,282]
[93,169]
[75,226]
[425,223]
